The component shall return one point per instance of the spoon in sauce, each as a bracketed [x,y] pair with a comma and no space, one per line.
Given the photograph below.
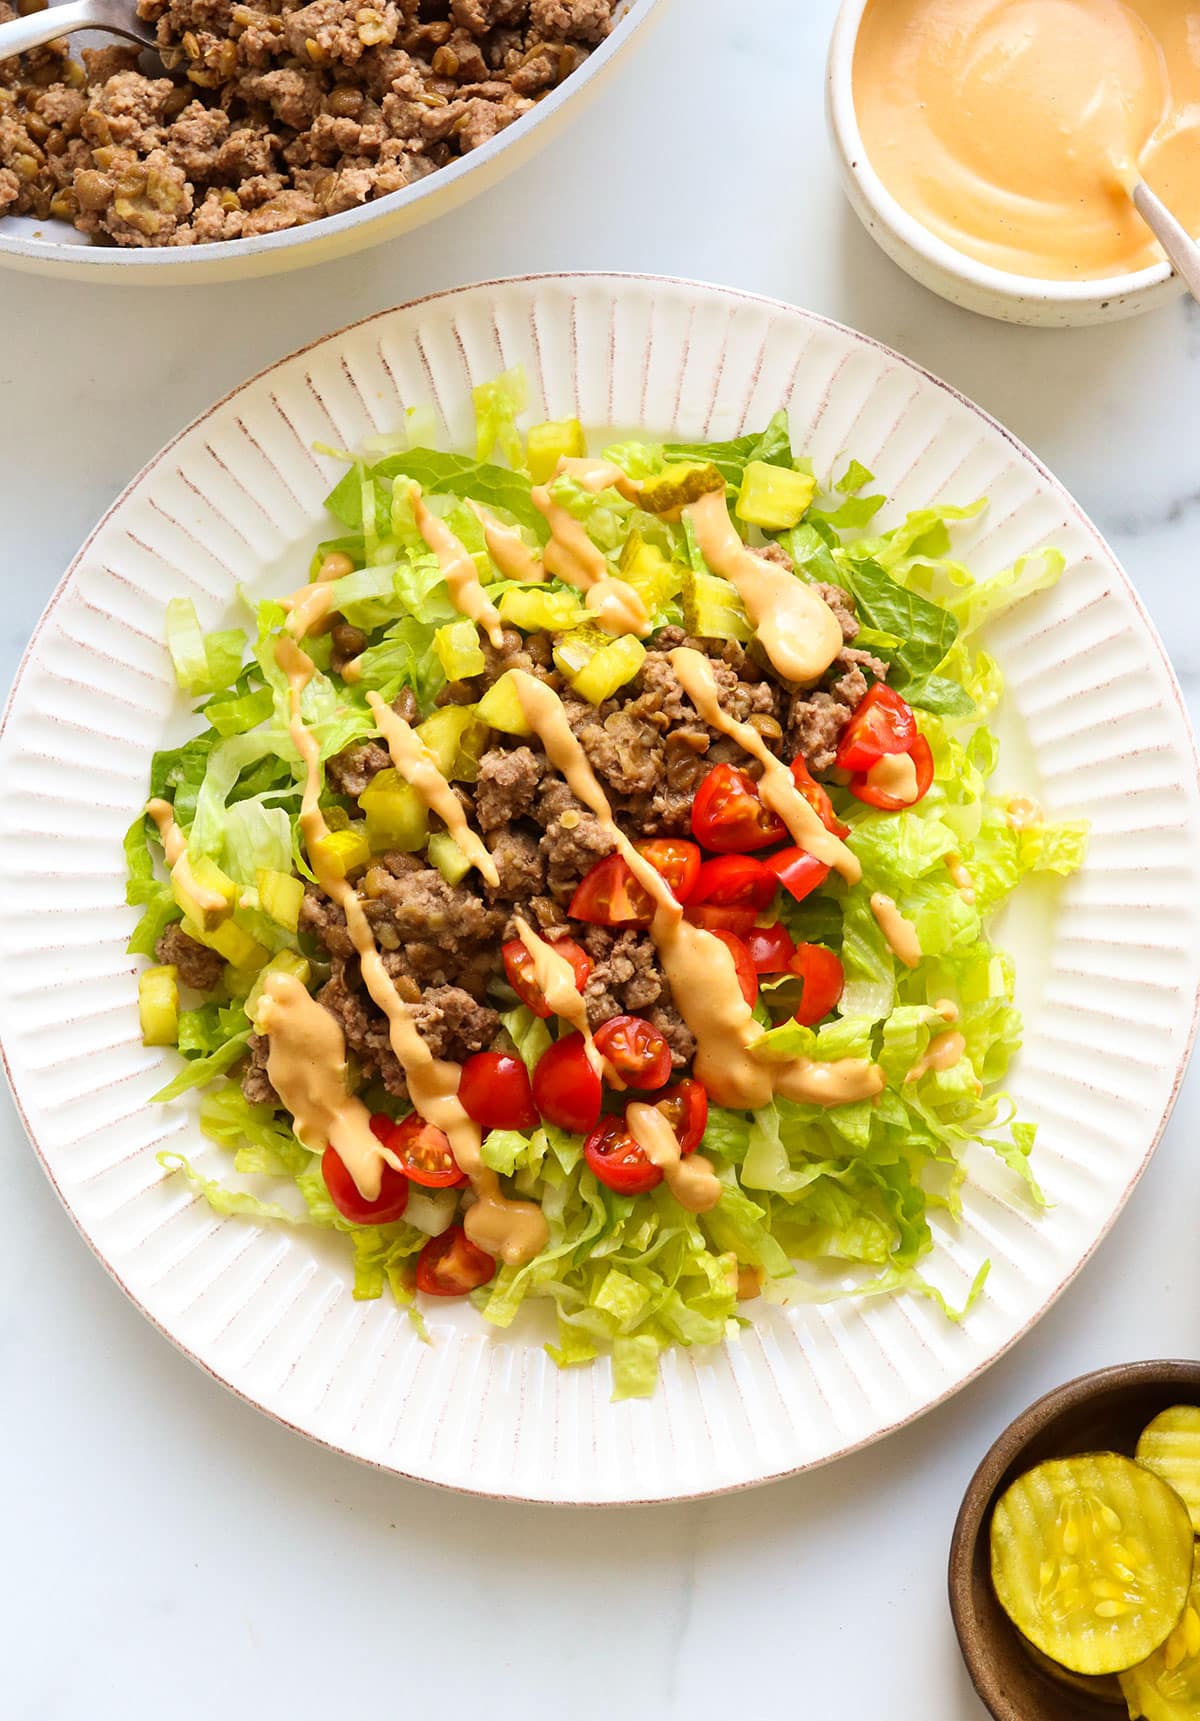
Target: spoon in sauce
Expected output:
[1182,251]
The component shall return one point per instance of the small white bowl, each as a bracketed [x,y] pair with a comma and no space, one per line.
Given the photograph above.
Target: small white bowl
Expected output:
[53,248]
[937,265]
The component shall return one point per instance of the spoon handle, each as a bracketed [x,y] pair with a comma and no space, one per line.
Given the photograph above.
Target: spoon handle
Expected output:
[38,28]
[1176,241]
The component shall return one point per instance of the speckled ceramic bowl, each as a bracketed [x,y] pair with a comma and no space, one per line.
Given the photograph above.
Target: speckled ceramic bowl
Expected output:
[53,248]
[1105,1411]
[957,277]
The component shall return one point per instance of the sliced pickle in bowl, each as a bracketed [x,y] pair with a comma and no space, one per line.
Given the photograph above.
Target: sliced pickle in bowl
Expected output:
[1092,1560]
[1166,1687]
[1101,1687]
[1170,1446]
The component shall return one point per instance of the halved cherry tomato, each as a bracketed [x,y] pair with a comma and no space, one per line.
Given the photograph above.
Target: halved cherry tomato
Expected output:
[494,1090]
[343,1191]
[566,1089]
[734,881]
[743,964]
[518,965]
[423,1149]
[451,1265]
[685,1107]
[922,760]
[817,797]
[618,1160]
[824,979]
[636,1050]
[797,871]
[771,948]
[880,723]
[610,895]
[713,918]
[729,815]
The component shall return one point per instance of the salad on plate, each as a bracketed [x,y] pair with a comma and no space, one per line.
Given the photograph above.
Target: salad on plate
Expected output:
[576,890]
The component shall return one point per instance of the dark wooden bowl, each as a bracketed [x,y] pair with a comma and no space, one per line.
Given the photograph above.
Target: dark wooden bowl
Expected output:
[1101,1412]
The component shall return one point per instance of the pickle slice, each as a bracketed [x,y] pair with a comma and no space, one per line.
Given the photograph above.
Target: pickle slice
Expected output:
[1103,1687]
[1092,1560]
[1170,1446]
[1166,1687]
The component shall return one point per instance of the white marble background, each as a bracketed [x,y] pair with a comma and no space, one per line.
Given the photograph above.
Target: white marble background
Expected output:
[170,1555]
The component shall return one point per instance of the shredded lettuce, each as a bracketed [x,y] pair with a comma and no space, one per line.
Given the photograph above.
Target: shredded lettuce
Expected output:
[815,1202]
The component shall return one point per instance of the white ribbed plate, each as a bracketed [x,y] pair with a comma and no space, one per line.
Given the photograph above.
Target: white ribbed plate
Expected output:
[1108,966]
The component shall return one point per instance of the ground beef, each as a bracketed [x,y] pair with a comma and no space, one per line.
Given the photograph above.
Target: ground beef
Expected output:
[349,771]
[347,643]
[574,838]
[452,1024]
[626,978]
[273,114]
[198,966]
[815,720]
[520,864]
[842,605]
[508,781]
[256,1083]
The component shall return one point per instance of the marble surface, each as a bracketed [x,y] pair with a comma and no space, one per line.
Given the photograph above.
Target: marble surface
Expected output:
[169,1552]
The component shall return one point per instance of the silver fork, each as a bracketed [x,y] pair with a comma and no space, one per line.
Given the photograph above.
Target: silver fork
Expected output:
[117,17]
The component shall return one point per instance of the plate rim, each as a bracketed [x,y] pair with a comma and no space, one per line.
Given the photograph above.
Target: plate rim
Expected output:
[731,294]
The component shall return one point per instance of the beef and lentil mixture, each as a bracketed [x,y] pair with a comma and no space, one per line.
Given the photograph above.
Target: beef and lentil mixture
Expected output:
[268,116]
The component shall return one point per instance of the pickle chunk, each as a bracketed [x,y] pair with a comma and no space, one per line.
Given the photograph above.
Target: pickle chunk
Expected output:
[1166,1687]
[1170,1446]
[1092,1560]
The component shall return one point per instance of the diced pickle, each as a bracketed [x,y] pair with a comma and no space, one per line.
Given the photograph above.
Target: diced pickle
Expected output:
[1166,1686]
[341,852]
[541,610]
[280,895]
[712,609]
[609,668]
[551,442]
[395,814]
[1170,1446]
[1091,1560]
[773,497]
[456,738]
[654,577]
[577,649]
[283,962]
[448,858]
[678,485]
[158,1005]
[501,708]
[229,940]
[459,651]
[204,893]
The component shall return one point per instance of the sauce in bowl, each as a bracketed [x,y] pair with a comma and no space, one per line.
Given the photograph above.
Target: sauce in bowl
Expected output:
[1011,128]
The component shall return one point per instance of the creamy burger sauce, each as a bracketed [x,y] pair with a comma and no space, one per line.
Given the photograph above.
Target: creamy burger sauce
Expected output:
[895,775]
[573,558]
[508,549]
[795,626]
[514,1231]
[900,933]
[777,786]
[555,979]
[1023,813]
[692,1181]
[963,883]
[699,967]
[418,767]
[944,1051]
[458,570]
[1011,128]
[175,852]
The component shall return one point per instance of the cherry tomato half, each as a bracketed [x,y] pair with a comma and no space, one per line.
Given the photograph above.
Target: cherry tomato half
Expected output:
[716,919]
[743,964]
[495,1091]
[817,797]
[636,1050]
[824,979]
[729,816]
[880,723]
[610,895]
[518,965]
[423,1149]
[566,1089]
[618,1160]
[343,1191]
[734,881]
[771,948]
[451,1265]
[797,871]
[685,1107]
[922,760]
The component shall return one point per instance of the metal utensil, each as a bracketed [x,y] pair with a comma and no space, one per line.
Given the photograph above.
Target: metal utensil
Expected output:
[116,17]
[1182,251]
